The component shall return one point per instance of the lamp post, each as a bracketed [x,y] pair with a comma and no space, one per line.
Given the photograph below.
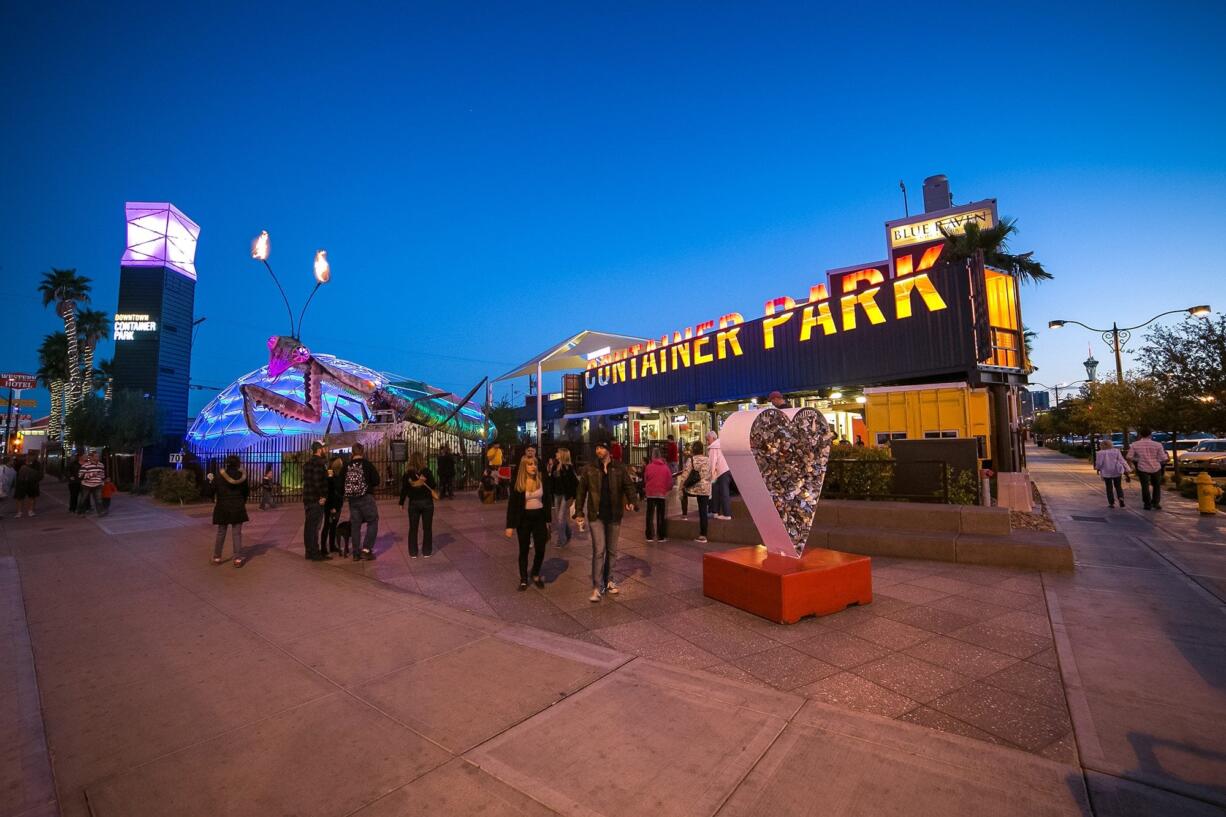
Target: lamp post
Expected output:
[1116,337]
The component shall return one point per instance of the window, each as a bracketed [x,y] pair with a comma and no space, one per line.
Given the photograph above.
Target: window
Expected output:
[940,435]
[884,437]
[166,370]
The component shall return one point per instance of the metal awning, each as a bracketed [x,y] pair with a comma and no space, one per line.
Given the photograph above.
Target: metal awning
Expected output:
[569,355]
[603,412]
[572,353]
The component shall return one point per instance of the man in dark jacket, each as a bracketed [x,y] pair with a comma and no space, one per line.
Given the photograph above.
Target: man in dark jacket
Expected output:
[446,473]
[361,479]
[73,472]
[605,489]
[314,496]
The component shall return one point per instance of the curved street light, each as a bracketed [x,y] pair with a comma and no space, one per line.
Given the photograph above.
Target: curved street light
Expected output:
[1117,336]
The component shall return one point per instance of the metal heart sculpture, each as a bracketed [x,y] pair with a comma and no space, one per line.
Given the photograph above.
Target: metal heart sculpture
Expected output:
[779,458]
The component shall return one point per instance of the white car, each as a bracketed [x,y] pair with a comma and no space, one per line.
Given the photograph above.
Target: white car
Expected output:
[1206,455]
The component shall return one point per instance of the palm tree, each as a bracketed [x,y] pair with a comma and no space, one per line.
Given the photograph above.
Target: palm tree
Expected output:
[106,378]
[65,289]
[53,373]
[994,242]
[92,326]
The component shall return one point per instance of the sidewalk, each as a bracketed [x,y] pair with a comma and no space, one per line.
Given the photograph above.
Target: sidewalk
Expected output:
[169,686]
[1140,630]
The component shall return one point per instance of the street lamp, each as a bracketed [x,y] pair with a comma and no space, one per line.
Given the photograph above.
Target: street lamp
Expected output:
[1116,337]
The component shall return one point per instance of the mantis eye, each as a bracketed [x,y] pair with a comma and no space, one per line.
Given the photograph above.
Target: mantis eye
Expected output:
[272,342]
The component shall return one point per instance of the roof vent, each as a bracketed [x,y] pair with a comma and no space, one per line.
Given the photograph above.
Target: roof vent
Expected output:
[936,193]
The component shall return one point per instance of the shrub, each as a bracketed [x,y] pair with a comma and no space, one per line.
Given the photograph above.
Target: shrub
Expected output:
[963,486]
[155,475]
[175,486]
[859,472]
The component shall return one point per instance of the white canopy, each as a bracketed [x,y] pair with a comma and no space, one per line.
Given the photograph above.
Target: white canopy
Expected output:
[572,353]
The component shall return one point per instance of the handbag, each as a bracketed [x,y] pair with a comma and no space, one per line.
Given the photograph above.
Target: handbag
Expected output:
[691,479]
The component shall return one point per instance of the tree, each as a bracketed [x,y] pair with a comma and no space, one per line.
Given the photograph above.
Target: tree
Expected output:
[133,426]
[106,379]
[502,417]
[65,289]
[93,325]
[1189,361]
[53,373]
[90,422]
[994,242]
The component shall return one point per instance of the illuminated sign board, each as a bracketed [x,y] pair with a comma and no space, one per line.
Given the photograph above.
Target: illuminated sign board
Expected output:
[907,232]
[132,326]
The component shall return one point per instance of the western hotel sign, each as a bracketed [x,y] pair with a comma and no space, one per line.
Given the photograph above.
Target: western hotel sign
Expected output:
[906,319]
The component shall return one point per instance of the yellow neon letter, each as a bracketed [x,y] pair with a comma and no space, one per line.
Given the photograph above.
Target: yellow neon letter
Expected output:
[823,319]
[768,328]
[726,338]
[701,357]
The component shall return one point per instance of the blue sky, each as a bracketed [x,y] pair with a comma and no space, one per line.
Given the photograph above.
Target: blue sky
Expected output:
[488,178]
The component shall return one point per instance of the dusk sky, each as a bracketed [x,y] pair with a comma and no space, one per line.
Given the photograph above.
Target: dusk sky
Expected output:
[489,179]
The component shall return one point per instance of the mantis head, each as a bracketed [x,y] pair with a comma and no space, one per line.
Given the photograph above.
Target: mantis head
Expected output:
[285,353]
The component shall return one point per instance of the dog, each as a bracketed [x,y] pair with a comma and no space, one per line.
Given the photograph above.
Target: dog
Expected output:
[344,532]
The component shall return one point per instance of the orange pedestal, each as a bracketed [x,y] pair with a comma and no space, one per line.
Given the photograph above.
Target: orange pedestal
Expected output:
[786,590]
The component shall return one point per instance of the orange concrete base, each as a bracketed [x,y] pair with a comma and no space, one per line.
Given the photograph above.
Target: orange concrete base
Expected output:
[786,590]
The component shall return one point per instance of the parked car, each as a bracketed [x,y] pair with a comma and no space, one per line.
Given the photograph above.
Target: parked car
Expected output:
[1207,455]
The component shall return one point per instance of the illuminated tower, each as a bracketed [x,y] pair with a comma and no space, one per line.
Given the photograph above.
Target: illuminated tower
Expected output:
[153,322]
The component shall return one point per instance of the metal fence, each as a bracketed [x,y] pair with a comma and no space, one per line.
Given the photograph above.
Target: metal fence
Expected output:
[387,448]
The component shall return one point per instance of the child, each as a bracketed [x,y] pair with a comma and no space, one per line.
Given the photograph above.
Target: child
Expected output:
[108,491]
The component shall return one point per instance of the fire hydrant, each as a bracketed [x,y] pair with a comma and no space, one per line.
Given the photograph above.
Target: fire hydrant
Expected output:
[1207,493]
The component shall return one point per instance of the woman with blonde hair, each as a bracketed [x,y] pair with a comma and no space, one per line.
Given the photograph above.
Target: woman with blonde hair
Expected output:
[563,485]
[528,515]
[419,488]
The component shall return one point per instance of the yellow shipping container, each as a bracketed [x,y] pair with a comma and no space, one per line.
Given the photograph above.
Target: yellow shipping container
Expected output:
[940,410]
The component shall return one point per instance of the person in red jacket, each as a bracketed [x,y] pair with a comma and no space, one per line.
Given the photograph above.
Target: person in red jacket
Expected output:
[657,482]
[615,451]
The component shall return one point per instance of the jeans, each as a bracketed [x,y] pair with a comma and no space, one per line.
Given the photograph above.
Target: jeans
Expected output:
[1151,483]
[310,529]
[604,551]
[704,504]
[1114,489]
[655,513]
[446,486]
[561,519]
[74,491]
[237,540]
[90,498]
[327,539]
[685,504]
[721,495]
[364,511]
[422,512]
[532,531]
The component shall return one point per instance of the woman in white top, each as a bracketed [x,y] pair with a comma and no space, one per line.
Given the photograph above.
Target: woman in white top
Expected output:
[1111,466]
[528,515]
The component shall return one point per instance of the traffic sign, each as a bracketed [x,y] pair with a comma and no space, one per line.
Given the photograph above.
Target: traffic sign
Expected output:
[17,380]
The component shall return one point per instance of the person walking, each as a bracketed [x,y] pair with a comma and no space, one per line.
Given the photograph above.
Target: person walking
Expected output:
[418,487]
[266,488]
[1111,466]
[604,492]
[8,479]
[563,483]
[696,482]
[230,493]
[73,473]
[109,489]
[1149,458]
[314,498]
[26,489]
[333,506]
[672,454]
[657,482]
[92,474]
[446,473]
[361,480]
[528,510]
[720,495]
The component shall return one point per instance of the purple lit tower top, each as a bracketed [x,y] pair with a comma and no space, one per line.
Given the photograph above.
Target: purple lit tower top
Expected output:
[159,235]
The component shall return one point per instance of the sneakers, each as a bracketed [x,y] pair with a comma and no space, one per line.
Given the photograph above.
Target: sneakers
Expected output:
[723,517]
[611,589]
[595,597]
[31,513]
[20,514]
[661,540]
[702,539]
[649,539]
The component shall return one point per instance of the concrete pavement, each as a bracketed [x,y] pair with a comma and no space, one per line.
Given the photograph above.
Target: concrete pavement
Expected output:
[169,686]
[1140,630]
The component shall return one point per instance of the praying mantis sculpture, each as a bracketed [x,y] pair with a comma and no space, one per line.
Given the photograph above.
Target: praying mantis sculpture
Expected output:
[287,352]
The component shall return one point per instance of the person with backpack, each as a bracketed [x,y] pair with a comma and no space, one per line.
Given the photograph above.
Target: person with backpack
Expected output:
[361,479]
[697,483]
[657,482]
[417,486]
[230,492]
[314,498]
[92,475]
[1111,466]
[563,483]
